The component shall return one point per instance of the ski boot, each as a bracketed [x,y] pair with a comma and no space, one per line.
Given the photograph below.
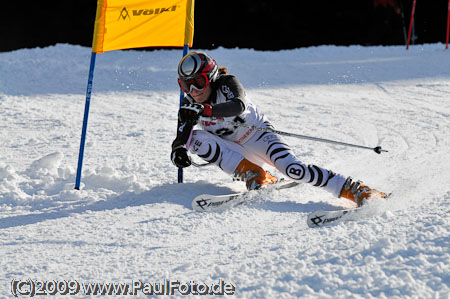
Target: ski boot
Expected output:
[253,175]
[359,193]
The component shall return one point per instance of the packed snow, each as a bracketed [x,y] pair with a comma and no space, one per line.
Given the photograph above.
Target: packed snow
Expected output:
[132,221]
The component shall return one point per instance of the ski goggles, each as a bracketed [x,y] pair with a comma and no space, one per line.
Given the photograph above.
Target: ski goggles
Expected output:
[198,82]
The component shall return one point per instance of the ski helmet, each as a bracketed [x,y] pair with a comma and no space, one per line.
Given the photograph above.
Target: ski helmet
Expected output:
[196,70]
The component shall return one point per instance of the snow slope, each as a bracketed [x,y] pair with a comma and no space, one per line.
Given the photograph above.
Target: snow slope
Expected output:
[132,221]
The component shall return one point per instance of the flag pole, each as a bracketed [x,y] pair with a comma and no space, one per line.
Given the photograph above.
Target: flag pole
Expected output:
[411,22]
[180,170]
[85,120]
[448,25]
[188,37]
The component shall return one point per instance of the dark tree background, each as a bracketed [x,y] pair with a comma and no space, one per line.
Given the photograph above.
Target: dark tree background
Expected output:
[257,24]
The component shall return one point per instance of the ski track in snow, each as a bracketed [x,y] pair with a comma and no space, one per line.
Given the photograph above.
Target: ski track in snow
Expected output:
[131,221]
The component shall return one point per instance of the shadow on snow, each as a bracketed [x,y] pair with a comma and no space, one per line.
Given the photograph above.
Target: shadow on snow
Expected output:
[178,194]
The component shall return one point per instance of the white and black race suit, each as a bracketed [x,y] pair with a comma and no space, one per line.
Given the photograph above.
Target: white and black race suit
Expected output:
[226,145]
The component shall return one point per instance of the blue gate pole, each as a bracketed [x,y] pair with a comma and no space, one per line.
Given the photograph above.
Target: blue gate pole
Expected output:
[180,170]
[85,121]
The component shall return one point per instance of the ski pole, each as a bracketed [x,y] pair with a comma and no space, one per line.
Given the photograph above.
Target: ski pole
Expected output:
[376,149]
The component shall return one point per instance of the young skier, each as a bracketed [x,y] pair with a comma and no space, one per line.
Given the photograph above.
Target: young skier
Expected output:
[240,151]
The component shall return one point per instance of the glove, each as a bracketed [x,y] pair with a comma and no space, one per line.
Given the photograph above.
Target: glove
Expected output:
[180,157]
[191,112]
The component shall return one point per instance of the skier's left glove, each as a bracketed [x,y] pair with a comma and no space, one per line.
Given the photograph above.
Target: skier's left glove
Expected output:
[191,112]
[180,158]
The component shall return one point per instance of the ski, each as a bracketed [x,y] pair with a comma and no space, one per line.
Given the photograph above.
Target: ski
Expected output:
[321,218]
[213,203]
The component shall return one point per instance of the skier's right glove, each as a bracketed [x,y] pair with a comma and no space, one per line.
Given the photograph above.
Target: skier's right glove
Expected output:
[191,112]
[179,157]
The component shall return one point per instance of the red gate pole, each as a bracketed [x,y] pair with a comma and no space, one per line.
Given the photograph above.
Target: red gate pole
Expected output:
[411,23]
[448,24]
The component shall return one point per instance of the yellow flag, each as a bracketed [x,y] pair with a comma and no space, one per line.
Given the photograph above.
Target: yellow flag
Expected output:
[124,24]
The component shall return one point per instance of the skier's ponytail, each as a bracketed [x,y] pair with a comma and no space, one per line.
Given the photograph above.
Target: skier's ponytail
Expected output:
[223,70]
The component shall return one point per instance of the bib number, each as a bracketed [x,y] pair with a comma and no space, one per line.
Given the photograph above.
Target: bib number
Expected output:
[226,131]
